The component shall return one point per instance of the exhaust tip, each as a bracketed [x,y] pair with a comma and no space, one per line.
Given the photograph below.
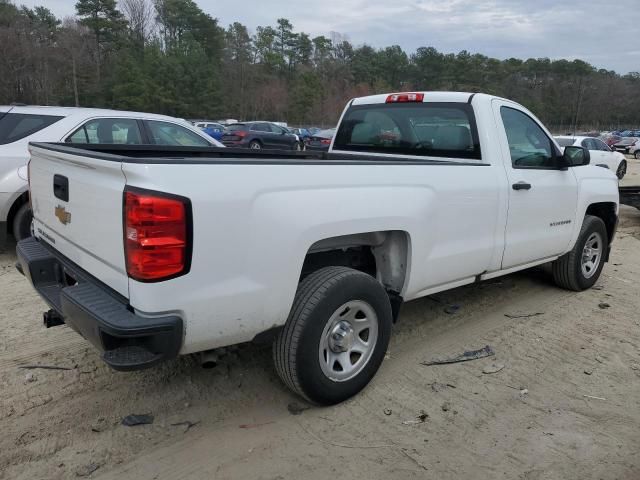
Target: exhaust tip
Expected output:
[208,359]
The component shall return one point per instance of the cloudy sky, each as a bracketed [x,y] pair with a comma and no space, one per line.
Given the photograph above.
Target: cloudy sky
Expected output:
[606,34]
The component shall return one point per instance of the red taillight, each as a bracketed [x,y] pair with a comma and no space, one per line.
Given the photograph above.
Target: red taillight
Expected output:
[405,97]
[325,141]
[240,133]
[156,235]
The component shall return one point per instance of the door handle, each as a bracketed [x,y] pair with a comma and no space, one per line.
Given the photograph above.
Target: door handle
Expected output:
[521,186]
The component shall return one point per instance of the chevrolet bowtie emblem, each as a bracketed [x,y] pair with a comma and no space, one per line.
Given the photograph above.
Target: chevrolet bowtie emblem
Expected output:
[63,215]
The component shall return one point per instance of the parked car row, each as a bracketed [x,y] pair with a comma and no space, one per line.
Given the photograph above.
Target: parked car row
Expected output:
[626,133]
[630,145]
[266,135]
[259,135]
[625,141]
[601,153]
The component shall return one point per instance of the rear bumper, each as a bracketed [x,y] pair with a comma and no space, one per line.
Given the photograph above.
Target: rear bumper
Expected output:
[127,341]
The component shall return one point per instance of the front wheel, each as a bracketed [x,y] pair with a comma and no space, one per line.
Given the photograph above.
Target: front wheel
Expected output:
[636,154]
[336,335]
[622,170]
[581,267]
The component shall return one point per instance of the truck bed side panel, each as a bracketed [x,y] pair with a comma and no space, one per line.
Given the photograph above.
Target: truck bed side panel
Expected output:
[253,225]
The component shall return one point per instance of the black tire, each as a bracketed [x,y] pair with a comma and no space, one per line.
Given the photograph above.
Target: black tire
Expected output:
[296,350]
[255,145]
[622,170]
[22,223]
[567,270]
[636,154]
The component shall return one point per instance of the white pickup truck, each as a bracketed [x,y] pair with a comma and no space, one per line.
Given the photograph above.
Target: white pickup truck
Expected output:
[153,252]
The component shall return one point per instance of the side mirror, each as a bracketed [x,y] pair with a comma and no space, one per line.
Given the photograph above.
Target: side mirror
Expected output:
[576,156]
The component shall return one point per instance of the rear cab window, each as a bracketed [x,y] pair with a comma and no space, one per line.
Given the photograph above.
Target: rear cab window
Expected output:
[415,129]
[16,126]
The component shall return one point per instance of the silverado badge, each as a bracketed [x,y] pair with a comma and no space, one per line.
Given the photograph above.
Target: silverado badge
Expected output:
[63,215]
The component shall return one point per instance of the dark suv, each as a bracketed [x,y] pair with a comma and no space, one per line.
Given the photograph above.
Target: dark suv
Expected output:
[257,135]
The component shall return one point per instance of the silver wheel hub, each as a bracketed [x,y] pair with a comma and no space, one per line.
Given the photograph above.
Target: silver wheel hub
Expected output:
[592,255]
[348,340]
[342,337]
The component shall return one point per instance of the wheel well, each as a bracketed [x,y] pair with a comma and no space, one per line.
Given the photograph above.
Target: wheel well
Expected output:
[383,255]
[606,211]
[21,200]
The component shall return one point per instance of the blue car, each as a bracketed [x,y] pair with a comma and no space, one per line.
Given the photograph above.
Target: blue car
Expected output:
[213,129]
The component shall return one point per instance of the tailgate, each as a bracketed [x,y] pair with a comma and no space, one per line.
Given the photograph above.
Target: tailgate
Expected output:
[77,208]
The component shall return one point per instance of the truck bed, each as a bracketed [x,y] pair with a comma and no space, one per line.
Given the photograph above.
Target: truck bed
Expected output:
[167,154]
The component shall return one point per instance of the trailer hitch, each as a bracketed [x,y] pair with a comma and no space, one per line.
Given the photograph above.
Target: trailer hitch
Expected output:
[52,319]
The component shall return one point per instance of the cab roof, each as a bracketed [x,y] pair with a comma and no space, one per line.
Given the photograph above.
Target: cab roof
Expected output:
[461,97]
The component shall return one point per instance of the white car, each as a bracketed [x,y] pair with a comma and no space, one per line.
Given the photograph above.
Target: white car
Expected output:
[20,125]
[635,150]
[600,153]
[153,255]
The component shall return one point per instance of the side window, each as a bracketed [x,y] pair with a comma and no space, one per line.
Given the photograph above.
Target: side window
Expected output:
[15,126]
[586,143]
[261,127]
[602,146]
[166,133]
[528,144]
[276,129]
[122,131]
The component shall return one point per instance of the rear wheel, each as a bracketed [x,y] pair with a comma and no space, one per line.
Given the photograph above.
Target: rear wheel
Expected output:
[255,145]
[581,267]
[636,154]
[622,169]
[336,335]
[22,223]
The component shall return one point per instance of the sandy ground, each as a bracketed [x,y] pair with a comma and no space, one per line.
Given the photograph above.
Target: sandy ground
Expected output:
[565,406]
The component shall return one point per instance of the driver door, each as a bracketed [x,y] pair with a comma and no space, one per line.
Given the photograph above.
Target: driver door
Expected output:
[542,196]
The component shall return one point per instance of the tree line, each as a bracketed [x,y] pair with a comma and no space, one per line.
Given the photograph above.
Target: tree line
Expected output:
[169,56]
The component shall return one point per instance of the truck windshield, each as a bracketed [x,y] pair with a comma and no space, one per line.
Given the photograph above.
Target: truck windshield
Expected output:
[420,129]
[15,126]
